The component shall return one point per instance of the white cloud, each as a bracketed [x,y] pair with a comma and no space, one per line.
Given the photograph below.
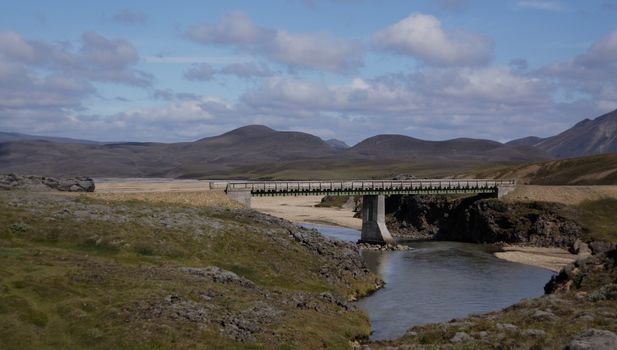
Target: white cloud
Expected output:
[200,72]
[246,70]
[98,59]
[43,85]
[423,37]
[591,73]
[300,50]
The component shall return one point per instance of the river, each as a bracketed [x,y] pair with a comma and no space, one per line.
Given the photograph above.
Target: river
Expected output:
[439,281]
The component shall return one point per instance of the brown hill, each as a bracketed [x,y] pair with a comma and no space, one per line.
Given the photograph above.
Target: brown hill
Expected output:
[257,151]
[591,170]
[588,137]
[249,145]
[409,148]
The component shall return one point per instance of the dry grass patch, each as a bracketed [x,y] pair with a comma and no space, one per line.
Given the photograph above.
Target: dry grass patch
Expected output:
[210,198]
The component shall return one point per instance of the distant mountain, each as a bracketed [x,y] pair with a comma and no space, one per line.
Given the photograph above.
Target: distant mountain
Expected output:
[256,151]
[405,147]
[13,136]
[246,146]
[525,141]
[587,137]
[337,144]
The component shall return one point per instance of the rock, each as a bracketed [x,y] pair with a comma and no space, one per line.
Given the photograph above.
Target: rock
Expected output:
[580,248]
[481,220]
[383,247]
[534,332]
[540,315]
[507,327]
[218,275]
[460,337]
[598,247]
[43,183]
[585,316]
[574,275]
[594,339]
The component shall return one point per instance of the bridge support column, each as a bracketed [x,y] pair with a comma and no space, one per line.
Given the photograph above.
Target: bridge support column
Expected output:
[502,190]
[374,228]
[242,196]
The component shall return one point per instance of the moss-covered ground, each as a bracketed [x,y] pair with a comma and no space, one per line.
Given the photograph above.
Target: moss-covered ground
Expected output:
[78,273]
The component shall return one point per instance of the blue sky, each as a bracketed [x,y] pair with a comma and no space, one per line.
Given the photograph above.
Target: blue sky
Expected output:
[346,69]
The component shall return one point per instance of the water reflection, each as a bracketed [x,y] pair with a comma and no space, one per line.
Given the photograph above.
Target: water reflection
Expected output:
[438,281]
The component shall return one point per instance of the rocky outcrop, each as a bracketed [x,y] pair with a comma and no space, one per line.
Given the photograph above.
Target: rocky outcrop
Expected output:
[43,183]
[481,220]
[588,273]
[594,339]
[417,217]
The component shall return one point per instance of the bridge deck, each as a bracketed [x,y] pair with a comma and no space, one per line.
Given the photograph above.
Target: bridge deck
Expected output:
[368,187]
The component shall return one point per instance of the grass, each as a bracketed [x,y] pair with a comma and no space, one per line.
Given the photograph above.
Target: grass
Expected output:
[334,169]
[599,219]
[206,198]
[84,282]
[591,170]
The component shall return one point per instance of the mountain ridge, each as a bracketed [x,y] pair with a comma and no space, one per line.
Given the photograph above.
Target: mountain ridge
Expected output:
[257,151]
[586,138]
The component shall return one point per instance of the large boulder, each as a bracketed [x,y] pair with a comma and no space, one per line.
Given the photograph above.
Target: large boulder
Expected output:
[594,339]
[44,183]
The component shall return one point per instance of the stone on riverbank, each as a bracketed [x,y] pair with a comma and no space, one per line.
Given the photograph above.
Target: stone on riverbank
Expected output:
[42,183]
[594,339]
[383,247]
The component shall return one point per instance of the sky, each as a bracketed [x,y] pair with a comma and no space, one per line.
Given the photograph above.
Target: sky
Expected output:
[170,71]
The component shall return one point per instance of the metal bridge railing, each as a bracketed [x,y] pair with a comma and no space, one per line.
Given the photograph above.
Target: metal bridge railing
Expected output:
[369,185]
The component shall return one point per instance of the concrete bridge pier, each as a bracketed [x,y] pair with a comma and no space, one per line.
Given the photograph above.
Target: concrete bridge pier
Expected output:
[241,195]
[374,228]
[502,190]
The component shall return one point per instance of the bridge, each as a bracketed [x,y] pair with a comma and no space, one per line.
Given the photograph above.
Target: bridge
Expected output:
[373,194]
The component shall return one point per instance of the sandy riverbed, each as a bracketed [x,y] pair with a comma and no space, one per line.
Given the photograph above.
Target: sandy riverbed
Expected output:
[549,258]
[302,209]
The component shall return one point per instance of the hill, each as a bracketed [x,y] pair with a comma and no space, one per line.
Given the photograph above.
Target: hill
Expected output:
[591,170]
[409,148]
[14,136]
[259,152]
[587,137]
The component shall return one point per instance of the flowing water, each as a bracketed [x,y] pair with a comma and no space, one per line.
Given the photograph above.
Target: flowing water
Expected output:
[439,281]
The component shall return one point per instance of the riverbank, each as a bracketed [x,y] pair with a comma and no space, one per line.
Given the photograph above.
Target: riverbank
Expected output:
[553,259]
[302,209]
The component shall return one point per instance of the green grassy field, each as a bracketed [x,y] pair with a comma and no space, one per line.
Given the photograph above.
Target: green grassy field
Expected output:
[599,218]
[88,274]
